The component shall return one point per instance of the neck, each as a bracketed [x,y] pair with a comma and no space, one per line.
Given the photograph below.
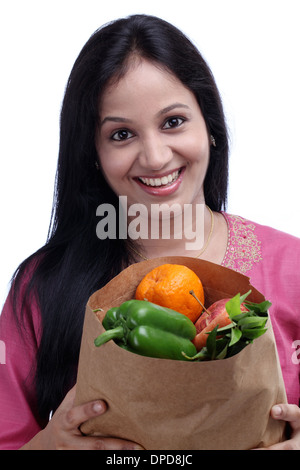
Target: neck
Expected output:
[182,235]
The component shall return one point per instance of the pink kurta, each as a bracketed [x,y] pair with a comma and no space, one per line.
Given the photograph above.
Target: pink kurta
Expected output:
[270,258]
[272,261]
[18,417]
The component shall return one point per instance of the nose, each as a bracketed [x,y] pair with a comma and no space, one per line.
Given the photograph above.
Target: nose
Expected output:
[154,153]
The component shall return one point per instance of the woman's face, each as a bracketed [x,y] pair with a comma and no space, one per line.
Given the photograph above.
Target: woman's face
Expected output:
[152,140]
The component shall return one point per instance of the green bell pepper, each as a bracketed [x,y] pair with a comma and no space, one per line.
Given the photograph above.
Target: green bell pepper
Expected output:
[149,330]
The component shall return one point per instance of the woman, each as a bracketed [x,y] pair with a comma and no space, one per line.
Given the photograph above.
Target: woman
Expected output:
[141,118]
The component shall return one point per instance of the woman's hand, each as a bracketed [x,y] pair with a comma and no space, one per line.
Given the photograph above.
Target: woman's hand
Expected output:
[291,414]
[62,431]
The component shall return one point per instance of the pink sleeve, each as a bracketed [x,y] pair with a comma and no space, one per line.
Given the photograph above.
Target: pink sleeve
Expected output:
[278,277]
[18,415]
[271,258]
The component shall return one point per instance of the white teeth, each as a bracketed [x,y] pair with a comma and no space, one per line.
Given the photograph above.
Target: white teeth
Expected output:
[161,181]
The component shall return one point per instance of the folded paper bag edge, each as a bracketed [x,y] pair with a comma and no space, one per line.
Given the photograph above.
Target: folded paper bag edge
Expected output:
[208,272]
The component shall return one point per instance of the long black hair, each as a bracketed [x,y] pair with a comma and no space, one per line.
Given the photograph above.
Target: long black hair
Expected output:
[74,262]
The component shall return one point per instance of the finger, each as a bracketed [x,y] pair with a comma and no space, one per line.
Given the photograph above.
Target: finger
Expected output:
[72,392]
[74,417]
[285,412]
[68,401]
[291,444]
[99,443]
[109,443]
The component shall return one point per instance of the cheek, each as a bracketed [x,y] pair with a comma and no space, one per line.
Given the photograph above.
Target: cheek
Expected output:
[196,150]
[114,166]
[108,160]
[111,170]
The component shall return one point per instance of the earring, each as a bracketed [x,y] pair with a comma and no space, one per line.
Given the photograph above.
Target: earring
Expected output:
[213,141]
[97,165]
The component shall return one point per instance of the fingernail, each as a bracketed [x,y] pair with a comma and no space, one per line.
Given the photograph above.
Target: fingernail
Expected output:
[131,446]
[277,410]
[98,407]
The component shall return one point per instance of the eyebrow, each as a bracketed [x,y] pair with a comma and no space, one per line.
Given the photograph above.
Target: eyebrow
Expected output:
[171,107]
[115,119]
[160,113]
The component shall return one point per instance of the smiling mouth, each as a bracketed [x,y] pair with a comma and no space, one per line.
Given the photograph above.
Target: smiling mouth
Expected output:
[163,181]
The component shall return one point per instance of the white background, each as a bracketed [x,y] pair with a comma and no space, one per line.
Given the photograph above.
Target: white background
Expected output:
[252,47]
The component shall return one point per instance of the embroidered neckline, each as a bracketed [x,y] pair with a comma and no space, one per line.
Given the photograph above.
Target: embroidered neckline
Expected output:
[243,247]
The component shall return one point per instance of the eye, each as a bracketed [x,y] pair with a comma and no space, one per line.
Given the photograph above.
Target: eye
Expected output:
[122,134]
[173,122]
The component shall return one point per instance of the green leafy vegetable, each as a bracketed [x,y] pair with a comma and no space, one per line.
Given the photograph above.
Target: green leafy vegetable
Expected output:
[233,338]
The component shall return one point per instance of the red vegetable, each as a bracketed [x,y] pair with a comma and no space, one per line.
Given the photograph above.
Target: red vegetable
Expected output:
[215,315]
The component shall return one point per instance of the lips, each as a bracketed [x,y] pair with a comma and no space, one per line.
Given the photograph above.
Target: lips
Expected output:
[162,185]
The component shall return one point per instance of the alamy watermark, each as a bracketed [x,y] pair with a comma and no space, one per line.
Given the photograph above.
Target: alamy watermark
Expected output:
[296,353]
[161,221]
[2,352]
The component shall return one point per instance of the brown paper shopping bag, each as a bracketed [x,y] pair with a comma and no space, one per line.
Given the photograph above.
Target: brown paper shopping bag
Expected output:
[176,405]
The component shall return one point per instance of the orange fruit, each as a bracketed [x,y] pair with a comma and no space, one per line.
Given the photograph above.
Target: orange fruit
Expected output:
[169,285]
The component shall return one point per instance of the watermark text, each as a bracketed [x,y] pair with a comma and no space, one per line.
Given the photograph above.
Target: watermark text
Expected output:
[296,353]
[161,221]
[2,352]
